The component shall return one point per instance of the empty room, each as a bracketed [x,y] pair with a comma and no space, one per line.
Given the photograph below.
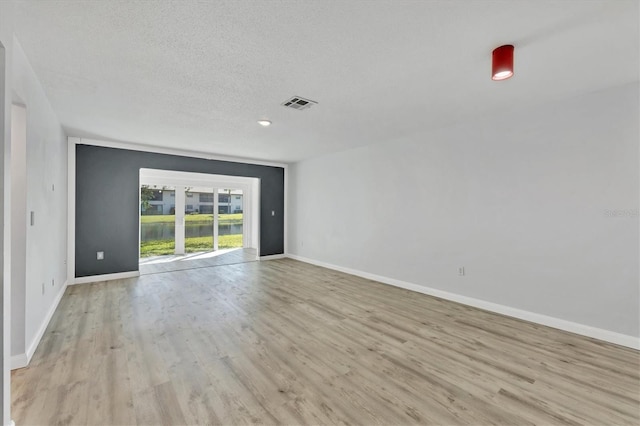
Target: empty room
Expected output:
[310,212]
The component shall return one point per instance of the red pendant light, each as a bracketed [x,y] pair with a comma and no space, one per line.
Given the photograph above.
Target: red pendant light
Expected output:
[502,63]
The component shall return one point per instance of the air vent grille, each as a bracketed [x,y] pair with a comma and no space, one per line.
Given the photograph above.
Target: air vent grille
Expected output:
[299,103]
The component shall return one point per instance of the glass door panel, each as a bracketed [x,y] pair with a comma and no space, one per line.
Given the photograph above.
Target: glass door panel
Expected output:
[198,219]
[157,220]
[230,215]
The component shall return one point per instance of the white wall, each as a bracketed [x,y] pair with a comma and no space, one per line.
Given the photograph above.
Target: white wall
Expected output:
[46,195]
[6,41]
[522,200]
[19,228]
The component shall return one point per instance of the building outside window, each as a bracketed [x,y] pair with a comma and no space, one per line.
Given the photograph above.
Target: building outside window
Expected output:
[153,209]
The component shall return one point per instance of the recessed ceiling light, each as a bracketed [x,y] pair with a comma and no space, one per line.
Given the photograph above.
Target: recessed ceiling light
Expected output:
[264,123]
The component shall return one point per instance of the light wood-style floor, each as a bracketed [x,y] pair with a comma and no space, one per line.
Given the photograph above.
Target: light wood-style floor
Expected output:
[159,264]
[283,342]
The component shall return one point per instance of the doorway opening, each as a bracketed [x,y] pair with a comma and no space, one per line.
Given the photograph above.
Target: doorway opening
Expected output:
[192,220]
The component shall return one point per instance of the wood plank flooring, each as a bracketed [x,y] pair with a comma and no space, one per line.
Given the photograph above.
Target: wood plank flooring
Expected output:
[170,263]
[283,342]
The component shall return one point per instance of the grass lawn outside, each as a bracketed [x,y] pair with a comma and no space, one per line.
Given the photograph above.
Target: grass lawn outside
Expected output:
[191,245]
[224,219]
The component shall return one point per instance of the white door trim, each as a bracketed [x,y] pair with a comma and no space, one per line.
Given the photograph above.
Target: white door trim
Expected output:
[250,189]
[179,236]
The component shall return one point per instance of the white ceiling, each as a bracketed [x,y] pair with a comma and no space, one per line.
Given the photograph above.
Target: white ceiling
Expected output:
[197,75]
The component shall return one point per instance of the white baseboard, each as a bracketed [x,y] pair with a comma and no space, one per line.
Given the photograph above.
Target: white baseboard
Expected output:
[104,277]
[572,327]
[273,257]
[23,360]
[19,361]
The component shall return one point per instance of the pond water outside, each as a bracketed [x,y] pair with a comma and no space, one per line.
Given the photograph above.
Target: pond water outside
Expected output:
[167,231]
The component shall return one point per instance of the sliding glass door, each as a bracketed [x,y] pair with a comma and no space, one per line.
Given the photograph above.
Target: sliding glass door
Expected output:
[231,218]
[199,219]
[181,216]
[157,220]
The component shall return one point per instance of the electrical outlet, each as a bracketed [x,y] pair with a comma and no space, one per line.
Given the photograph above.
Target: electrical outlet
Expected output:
[100,255]
[273,212]
[42,288]
[461,271]
[53,282]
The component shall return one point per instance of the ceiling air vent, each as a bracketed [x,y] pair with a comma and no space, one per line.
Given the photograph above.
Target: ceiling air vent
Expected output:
[299,103]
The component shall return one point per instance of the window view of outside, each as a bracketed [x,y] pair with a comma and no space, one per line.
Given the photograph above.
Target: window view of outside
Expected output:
[198,220]
[157,224]
[230,214]
[157,220]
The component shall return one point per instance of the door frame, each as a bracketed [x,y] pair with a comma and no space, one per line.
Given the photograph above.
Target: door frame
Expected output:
[250,189]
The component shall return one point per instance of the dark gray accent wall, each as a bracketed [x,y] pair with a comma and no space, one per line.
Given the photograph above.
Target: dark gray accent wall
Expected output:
[107,185]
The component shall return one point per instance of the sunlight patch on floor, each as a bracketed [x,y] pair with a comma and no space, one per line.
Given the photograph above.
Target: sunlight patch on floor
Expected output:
[185,257]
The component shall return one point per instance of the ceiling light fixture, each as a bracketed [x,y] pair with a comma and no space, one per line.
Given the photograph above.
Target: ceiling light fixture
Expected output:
[264,123]
[502,63]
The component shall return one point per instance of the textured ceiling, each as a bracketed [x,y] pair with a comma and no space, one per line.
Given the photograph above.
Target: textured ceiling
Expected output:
[198,75]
